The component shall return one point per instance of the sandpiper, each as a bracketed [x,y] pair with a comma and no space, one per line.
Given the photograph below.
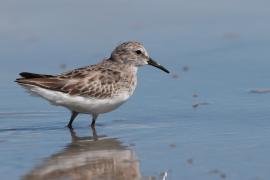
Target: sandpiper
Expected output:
[94,89]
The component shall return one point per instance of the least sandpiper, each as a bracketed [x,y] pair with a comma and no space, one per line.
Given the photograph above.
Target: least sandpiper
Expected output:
[94,89]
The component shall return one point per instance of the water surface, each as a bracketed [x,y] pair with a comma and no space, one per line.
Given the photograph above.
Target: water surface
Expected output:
[203,121]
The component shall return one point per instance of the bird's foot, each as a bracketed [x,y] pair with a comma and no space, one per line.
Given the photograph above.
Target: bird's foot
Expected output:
[69,126]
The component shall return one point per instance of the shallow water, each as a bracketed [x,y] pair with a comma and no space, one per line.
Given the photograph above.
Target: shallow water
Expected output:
[203,121]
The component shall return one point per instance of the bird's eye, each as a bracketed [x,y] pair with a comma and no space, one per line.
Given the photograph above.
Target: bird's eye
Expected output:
[139,52]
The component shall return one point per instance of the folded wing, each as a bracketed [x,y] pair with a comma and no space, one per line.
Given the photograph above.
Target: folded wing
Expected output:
[101,83]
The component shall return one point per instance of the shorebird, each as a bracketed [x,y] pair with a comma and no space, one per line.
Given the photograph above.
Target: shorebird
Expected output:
[94,89]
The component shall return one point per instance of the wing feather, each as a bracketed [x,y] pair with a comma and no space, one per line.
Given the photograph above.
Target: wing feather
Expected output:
[91,81]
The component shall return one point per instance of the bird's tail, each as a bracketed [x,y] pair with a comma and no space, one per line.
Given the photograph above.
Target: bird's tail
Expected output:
[28,76]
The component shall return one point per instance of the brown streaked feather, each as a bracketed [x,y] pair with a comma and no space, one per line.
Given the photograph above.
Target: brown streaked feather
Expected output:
[47,83]
[91,81]
[97,84]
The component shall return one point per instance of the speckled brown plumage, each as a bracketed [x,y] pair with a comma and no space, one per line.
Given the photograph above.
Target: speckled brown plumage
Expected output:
[97,81]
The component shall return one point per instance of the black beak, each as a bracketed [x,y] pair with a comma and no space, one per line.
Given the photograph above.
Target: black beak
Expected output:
[155,64]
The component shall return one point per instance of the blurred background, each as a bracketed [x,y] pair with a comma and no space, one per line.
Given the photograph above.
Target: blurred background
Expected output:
[208,119]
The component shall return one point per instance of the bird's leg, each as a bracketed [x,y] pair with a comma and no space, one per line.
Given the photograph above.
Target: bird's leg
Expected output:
[94,133]
[73,116]
[94,117]
[73,135]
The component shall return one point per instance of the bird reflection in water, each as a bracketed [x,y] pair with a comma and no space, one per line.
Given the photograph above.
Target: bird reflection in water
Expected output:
[92,157]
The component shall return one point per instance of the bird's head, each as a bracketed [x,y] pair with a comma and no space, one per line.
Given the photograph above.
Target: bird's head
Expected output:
[133,53]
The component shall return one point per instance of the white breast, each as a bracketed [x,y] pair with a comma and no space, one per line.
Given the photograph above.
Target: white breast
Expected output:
[81,104]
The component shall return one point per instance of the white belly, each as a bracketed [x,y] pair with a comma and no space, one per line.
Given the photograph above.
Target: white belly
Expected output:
[80,104]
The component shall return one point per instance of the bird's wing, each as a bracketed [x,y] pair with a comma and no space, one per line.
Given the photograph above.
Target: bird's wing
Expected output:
[94,82]
[51,83]
[88,82]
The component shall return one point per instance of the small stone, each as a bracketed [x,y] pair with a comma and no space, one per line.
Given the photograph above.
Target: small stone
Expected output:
[173,145]
[190,161]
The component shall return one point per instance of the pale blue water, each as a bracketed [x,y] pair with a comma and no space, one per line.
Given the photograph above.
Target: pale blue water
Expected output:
[224,44]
